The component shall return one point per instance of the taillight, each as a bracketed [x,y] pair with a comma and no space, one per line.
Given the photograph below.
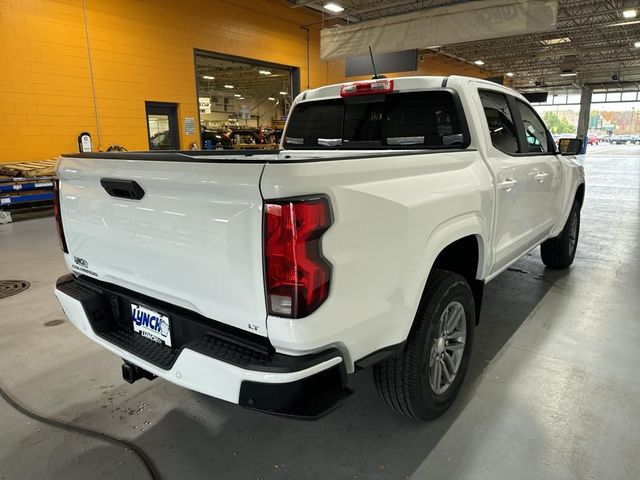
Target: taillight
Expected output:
[367,88]
[58,216]
[297,276]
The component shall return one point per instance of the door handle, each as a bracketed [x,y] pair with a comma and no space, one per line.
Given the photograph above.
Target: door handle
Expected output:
[507,184]
[540,176]
[119,188]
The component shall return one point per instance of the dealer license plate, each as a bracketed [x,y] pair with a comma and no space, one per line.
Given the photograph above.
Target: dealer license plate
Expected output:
[151,324]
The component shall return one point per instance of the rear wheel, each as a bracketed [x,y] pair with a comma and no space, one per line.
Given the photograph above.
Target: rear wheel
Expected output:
[560,251]
[423,381]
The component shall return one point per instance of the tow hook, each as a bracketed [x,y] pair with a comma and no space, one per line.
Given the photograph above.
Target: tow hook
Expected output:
[132,373]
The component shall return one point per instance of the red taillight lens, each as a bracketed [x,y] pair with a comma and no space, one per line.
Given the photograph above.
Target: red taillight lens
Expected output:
[297,275]
[366,88]
[58,216]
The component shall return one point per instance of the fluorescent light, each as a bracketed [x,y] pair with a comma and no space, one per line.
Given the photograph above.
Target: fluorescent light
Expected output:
[229,86]
[241,98]
[509,74]
[479,62]
[432,47]
[555,41]
[636,44]
[237,95]
[569,74]
[629,13]
[264,72]
[272,99]
[333,7]
[208,77]
[284,93]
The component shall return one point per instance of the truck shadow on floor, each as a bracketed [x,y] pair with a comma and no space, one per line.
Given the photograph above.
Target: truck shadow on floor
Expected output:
[208,438]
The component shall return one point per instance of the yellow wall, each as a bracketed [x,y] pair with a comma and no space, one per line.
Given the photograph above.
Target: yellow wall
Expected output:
[140,51]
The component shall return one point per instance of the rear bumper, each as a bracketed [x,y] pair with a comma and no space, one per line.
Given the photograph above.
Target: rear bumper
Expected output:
[211,361]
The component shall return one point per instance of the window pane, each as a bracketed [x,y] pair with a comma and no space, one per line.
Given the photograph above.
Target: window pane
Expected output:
[537,139]
[574,99]
[560,99]
[426,119]
[316,124]
[629,96]
[501,127]
[613,97]
[363,122]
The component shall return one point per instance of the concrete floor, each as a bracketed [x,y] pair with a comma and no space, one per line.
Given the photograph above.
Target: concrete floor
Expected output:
[553,391]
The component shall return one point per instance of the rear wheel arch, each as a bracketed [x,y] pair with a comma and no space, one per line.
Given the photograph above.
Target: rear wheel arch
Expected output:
[465,256]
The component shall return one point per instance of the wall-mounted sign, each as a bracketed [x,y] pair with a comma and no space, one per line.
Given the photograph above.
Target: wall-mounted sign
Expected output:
[189,125]
[84,142]
[205,104]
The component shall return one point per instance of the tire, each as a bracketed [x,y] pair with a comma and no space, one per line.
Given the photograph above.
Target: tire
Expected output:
[404,382]
[559,252]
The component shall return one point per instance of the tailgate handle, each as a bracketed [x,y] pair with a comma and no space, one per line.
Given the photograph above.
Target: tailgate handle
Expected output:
[119,188]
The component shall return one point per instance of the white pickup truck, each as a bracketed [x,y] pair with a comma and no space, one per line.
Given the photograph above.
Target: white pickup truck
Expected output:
[266,278]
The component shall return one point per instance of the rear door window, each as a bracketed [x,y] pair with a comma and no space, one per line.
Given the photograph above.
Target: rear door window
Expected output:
[398,120]
[502,129]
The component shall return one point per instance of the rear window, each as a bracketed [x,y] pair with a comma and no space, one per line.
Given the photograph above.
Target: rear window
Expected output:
[397,120]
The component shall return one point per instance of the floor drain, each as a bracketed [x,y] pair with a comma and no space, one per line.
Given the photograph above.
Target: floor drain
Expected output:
[12,287]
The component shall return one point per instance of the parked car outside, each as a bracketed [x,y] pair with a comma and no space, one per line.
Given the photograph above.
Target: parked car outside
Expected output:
[594,139]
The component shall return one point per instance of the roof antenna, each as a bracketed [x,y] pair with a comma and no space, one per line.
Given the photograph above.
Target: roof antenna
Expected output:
[373,64]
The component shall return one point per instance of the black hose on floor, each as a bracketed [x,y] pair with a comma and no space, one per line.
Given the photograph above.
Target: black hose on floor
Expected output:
[144,458]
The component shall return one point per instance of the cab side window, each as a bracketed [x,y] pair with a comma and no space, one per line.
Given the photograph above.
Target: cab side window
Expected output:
[501,127]
[537,139]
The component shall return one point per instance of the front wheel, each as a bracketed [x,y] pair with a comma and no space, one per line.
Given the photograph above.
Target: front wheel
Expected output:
[560,251]
[423,381]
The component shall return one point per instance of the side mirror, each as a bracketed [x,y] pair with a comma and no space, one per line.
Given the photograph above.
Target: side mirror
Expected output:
[570,146]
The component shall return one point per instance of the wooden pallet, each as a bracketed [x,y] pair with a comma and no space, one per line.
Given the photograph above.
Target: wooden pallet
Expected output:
[29,169]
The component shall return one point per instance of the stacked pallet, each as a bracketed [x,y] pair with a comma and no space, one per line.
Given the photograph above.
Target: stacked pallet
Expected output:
[29,169]
[25,185]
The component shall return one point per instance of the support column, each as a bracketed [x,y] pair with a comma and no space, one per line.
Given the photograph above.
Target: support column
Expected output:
[583,116]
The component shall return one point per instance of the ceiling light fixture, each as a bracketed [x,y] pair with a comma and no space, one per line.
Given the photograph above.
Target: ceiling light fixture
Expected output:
[208,77]
[509,74]
[229,86]
[237,95]
[333,7]
[555,41]
[479,63]
[636,44]
[631,13]
[284,93]
[569,74]
[272,99]
[264,72]
[622,24]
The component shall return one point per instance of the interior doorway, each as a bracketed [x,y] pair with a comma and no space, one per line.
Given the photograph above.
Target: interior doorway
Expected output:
[162,125]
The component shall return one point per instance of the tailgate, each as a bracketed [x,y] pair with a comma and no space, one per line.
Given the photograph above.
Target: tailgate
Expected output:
[194,239]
